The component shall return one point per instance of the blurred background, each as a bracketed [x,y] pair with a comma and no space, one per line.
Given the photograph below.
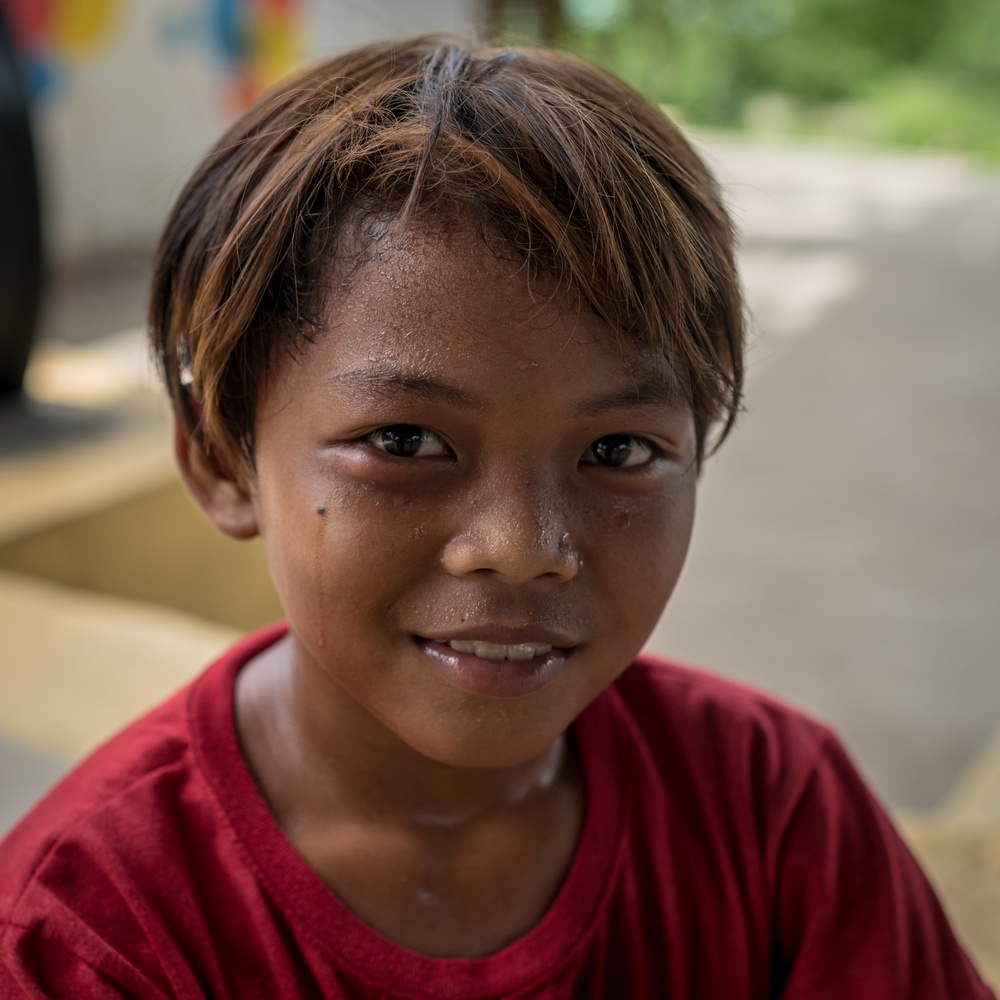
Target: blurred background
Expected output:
[847,550]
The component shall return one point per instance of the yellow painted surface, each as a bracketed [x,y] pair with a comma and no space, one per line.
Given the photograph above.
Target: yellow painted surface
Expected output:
[157,547]
[107,512]
[277,46]
[964,867]
[114,588]
[974,803]
[76,667]
[80,25]
[959,847]
[102,374]
[62,482]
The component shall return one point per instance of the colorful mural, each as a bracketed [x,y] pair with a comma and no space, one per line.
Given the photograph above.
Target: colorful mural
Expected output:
[253,42]
[48,33]
[259,41]
[127,94]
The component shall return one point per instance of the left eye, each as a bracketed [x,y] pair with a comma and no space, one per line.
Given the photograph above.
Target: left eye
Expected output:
[618,450]
[408,441]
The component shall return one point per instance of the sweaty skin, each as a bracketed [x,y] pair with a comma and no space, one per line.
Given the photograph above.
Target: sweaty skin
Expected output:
[462,456]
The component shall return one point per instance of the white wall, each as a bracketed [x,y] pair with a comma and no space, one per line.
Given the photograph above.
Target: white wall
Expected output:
[134,91]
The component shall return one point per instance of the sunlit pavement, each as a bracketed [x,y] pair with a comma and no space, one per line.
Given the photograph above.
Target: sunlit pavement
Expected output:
[847,548]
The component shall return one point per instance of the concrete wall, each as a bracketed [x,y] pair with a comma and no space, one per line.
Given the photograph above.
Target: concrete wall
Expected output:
[127,94]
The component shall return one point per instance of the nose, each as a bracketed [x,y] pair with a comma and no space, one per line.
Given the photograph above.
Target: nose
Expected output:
[515,529]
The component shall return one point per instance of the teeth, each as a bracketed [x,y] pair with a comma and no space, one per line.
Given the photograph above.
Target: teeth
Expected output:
[498,651]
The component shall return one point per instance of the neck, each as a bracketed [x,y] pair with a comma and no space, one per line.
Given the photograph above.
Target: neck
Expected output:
[317,758]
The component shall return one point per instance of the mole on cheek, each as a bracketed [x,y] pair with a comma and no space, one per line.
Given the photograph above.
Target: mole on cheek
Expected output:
[321,511]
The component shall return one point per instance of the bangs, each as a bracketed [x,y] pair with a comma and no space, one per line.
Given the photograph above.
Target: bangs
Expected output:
[550,158]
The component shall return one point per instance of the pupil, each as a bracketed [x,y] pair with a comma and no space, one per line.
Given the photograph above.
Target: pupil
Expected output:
[614,449]
[403,440]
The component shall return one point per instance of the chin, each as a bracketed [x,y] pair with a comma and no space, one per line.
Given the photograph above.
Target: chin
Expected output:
[481,749]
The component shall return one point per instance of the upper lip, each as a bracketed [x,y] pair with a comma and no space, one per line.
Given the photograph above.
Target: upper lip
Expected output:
[503,635]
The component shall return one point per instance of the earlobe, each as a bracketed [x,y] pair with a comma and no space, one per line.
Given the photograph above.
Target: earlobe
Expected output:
[219,493]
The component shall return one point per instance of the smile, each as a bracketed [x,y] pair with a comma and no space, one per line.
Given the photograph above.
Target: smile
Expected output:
[496,669]
[499,651]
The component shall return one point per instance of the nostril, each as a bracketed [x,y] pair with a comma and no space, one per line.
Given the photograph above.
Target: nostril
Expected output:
[515,527]
[514,556]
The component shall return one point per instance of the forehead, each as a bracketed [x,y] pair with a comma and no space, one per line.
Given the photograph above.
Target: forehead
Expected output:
[435,270]
[440,296]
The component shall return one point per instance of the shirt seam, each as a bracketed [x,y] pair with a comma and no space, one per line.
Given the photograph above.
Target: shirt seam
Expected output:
[12,925]
[87,814]
[289,907]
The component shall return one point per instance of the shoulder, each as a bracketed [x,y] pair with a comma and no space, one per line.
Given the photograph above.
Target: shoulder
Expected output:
[113,876]
[719,754]
[96,797]
[769,811]
[684,709]
[122,816]
[71,863]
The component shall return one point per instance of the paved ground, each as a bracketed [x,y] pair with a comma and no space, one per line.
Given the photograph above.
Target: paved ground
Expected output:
[24,774]
[847,552]
[93,298]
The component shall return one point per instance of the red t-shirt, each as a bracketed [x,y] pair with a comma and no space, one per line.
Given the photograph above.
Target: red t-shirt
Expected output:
[729,851]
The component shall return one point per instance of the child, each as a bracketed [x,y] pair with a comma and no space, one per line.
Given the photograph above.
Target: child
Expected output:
[450,329]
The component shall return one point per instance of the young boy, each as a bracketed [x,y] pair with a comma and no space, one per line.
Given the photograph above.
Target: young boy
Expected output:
[449,328]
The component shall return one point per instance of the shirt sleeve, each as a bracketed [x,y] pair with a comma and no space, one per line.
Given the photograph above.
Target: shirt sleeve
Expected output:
[32,968]
[855,915]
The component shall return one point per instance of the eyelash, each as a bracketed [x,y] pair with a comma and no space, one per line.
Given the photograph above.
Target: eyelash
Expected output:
[410,435]
[632,440]
[407,433]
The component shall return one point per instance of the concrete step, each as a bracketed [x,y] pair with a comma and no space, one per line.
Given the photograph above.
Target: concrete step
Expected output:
[963,864]
[78,666]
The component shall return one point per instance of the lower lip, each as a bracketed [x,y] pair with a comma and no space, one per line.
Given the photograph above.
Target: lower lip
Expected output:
[494,678]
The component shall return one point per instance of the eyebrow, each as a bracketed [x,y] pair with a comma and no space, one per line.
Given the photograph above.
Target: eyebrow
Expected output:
[643,392]
[386,381]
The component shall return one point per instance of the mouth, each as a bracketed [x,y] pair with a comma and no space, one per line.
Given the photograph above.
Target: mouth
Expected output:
[495,669]
[499,651]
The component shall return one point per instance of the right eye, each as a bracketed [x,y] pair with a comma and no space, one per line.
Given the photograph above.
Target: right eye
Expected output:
[616,451]
[408,441]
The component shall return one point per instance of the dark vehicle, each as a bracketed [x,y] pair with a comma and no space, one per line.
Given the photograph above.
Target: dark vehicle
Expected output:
[20,226]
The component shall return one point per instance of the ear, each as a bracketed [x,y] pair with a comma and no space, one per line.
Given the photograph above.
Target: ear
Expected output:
[220,495]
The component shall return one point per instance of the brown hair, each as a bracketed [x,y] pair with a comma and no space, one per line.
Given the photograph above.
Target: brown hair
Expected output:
[565,165]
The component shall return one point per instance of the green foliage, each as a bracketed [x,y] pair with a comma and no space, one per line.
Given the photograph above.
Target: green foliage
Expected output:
[928,109]
[969,47]
[922,72]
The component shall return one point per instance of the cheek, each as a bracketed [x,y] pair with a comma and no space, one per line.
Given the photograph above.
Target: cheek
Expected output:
[333,549]
[641,546]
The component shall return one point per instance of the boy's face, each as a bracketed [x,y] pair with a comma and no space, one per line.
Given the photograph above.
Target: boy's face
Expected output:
[474,505]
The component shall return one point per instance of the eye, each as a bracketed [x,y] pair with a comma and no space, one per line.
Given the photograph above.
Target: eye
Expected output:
[618,450]
[408,441]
